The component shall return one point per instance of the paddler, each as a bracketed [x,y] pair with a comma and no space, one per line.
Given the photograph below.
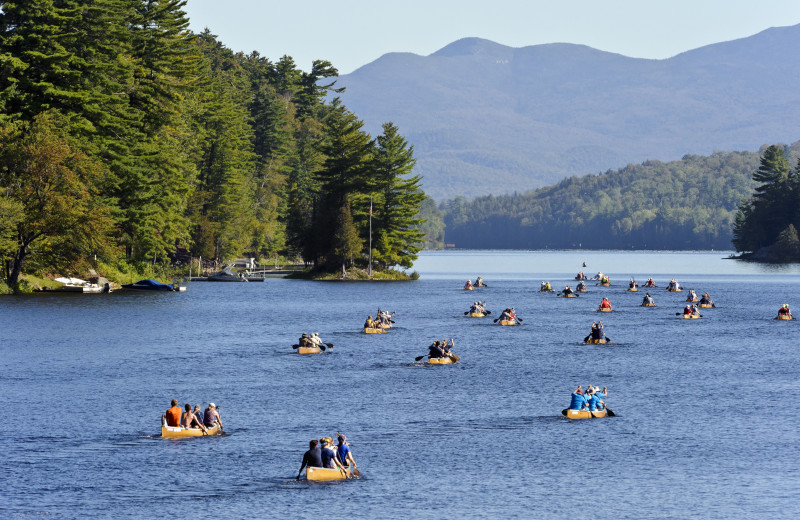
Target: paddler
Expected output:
[605,303]
[598,331]
[579,400]
[595,401]
[648,300]
[706,299]
[581,286]
[311,458]
[468,285]
[633,285]
[479,282]
[784,310]
[173,414]
[369,324]
[568,290]
[650,283]
[692,296]
[688,310]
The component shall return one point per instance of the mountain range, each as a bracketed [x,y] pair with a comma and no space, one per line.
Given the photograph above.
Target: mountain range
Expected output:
[485,118]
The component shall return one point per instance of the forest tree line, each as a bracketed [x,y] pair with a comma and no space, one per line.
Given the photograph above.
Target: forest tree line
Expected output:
[688,204]
[766,223]
[125,136]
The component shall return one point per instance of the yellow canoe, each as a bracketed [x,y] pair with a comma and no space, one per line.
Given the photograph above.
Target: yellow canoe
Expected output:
[568,296]
[690,316]
[674,290]
[633,289]
[584,414]
[468,288]
[308,350]
[607,284]
[692,300]
[177,431]
[648,305]
[597,341]
[374,330]
[546,290]
[441,361]
[705,305]
[581,290]
[508,322]
[325,474]
[783,317]
[604,309]
[477,314]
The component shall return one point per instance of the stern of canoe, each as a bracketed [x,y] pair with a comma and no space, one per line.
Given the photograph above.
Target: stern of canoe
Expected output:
[178,432]
[326,474]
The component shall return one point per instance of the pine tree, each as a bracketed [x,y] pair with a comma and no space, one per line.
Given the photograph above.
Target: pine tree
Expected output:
[346,242]
[397,228]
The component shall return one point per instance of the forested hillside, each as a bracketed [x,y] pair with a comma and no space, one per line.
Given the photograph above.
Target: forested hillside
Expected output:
[686,204]
[125,136]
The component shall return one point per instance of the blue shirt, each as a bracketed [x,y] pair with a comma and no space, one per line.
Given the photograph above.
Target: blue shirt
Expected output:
[594,401]
[327,457]
[578,401]
[341,453]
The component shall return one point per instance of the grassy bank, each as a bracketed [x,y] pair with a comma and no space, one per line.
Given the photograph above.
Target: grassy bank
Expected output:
[355,275]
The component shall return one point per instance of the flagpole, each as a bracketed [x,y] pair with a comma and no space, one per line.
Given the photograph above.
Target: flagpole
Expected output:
[369,269]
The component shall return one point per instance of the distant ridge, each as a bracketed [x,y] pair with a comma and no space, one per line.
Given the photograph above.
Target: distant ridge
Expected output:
[487,118]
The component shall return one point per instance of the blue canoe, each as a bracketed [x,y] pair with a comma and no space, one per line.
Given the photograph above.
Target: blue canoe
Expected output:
[149,284]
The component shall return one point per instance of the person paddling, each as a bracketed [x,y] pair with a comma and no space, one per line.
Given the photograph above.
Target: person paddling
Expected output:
[633,285]
[581,287]
[311,458]
[648,300]
[784,311]
[344,453]
[605,303]
[578,401]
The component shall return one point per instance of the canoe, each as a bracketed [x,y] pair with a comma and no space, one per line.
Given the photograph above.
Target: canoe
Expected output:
[584,414]
[674,290]
[308,350]
[597,341]
[581,290]
[648,305]
[783,317]
[568,296]
[633,289]
[386,326]
[441,361]
[177,431]
[468,288]
[604,309]
[706,305]
[690,316]
[325,474]
[476,314]
[608,284]
[692,300]
[508,322]
[546,290]
[374,330]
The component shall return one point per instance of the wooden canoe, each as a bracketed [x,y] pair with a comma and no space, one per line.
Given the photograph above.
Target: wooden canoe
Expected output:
[648,305]
[476,314]
[374,330]
[692,300]
[784,317]
[584,414]
[690,316]
[508,322]
[597,341]
[633,289]
[568,296]
[468,288]
[441,361]
[309,350]
[604,309]
[177,431]
[706,305]
[581,290]
[325,474]
[606,284]
[674,290]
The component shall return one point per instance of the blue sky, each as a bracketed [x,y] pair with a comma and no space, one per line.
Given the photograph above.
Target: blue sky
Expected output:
[352,33]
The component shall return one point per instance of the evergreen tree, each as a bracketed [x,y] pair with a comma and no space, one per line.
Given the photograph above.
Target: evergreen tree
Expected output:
[346,242]
[397,226]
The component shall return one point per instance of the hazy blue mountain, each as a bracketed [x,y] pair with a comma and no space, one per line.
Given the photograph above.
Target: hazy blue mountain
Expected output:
[485,118]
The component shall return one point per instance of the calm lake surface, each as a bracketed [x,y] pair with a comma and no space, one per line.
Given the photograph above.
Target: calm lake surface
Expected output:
[706,422]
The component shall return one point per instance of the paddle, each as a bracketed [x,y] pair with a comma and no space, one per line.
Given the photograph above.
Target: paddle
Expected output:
[419,358]
[455,358]
[564,412]
[609,412]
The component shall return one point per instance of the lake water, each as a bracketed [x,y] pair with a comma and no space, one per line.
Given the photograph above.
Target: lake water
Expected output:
[702,429]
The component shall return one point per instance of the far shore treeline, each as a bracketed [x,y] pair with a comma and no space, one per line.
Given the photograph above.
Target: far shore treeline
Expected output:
[693,203]
[128,139]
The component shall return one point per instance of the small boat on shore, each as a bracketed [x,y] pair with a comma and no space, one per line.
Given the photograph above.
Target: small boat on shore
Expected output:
[374,330]
[148,284]
[583,414]
[177,431]
[95,285]
[327,474]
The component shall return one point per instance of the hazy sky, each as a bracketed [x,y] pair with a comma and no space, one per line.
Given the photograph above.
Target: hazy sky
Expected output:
[352,33]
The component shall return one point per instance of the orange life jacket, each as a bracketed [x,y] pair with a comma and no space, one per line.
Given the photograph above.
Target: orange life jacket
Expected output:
[174,416]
